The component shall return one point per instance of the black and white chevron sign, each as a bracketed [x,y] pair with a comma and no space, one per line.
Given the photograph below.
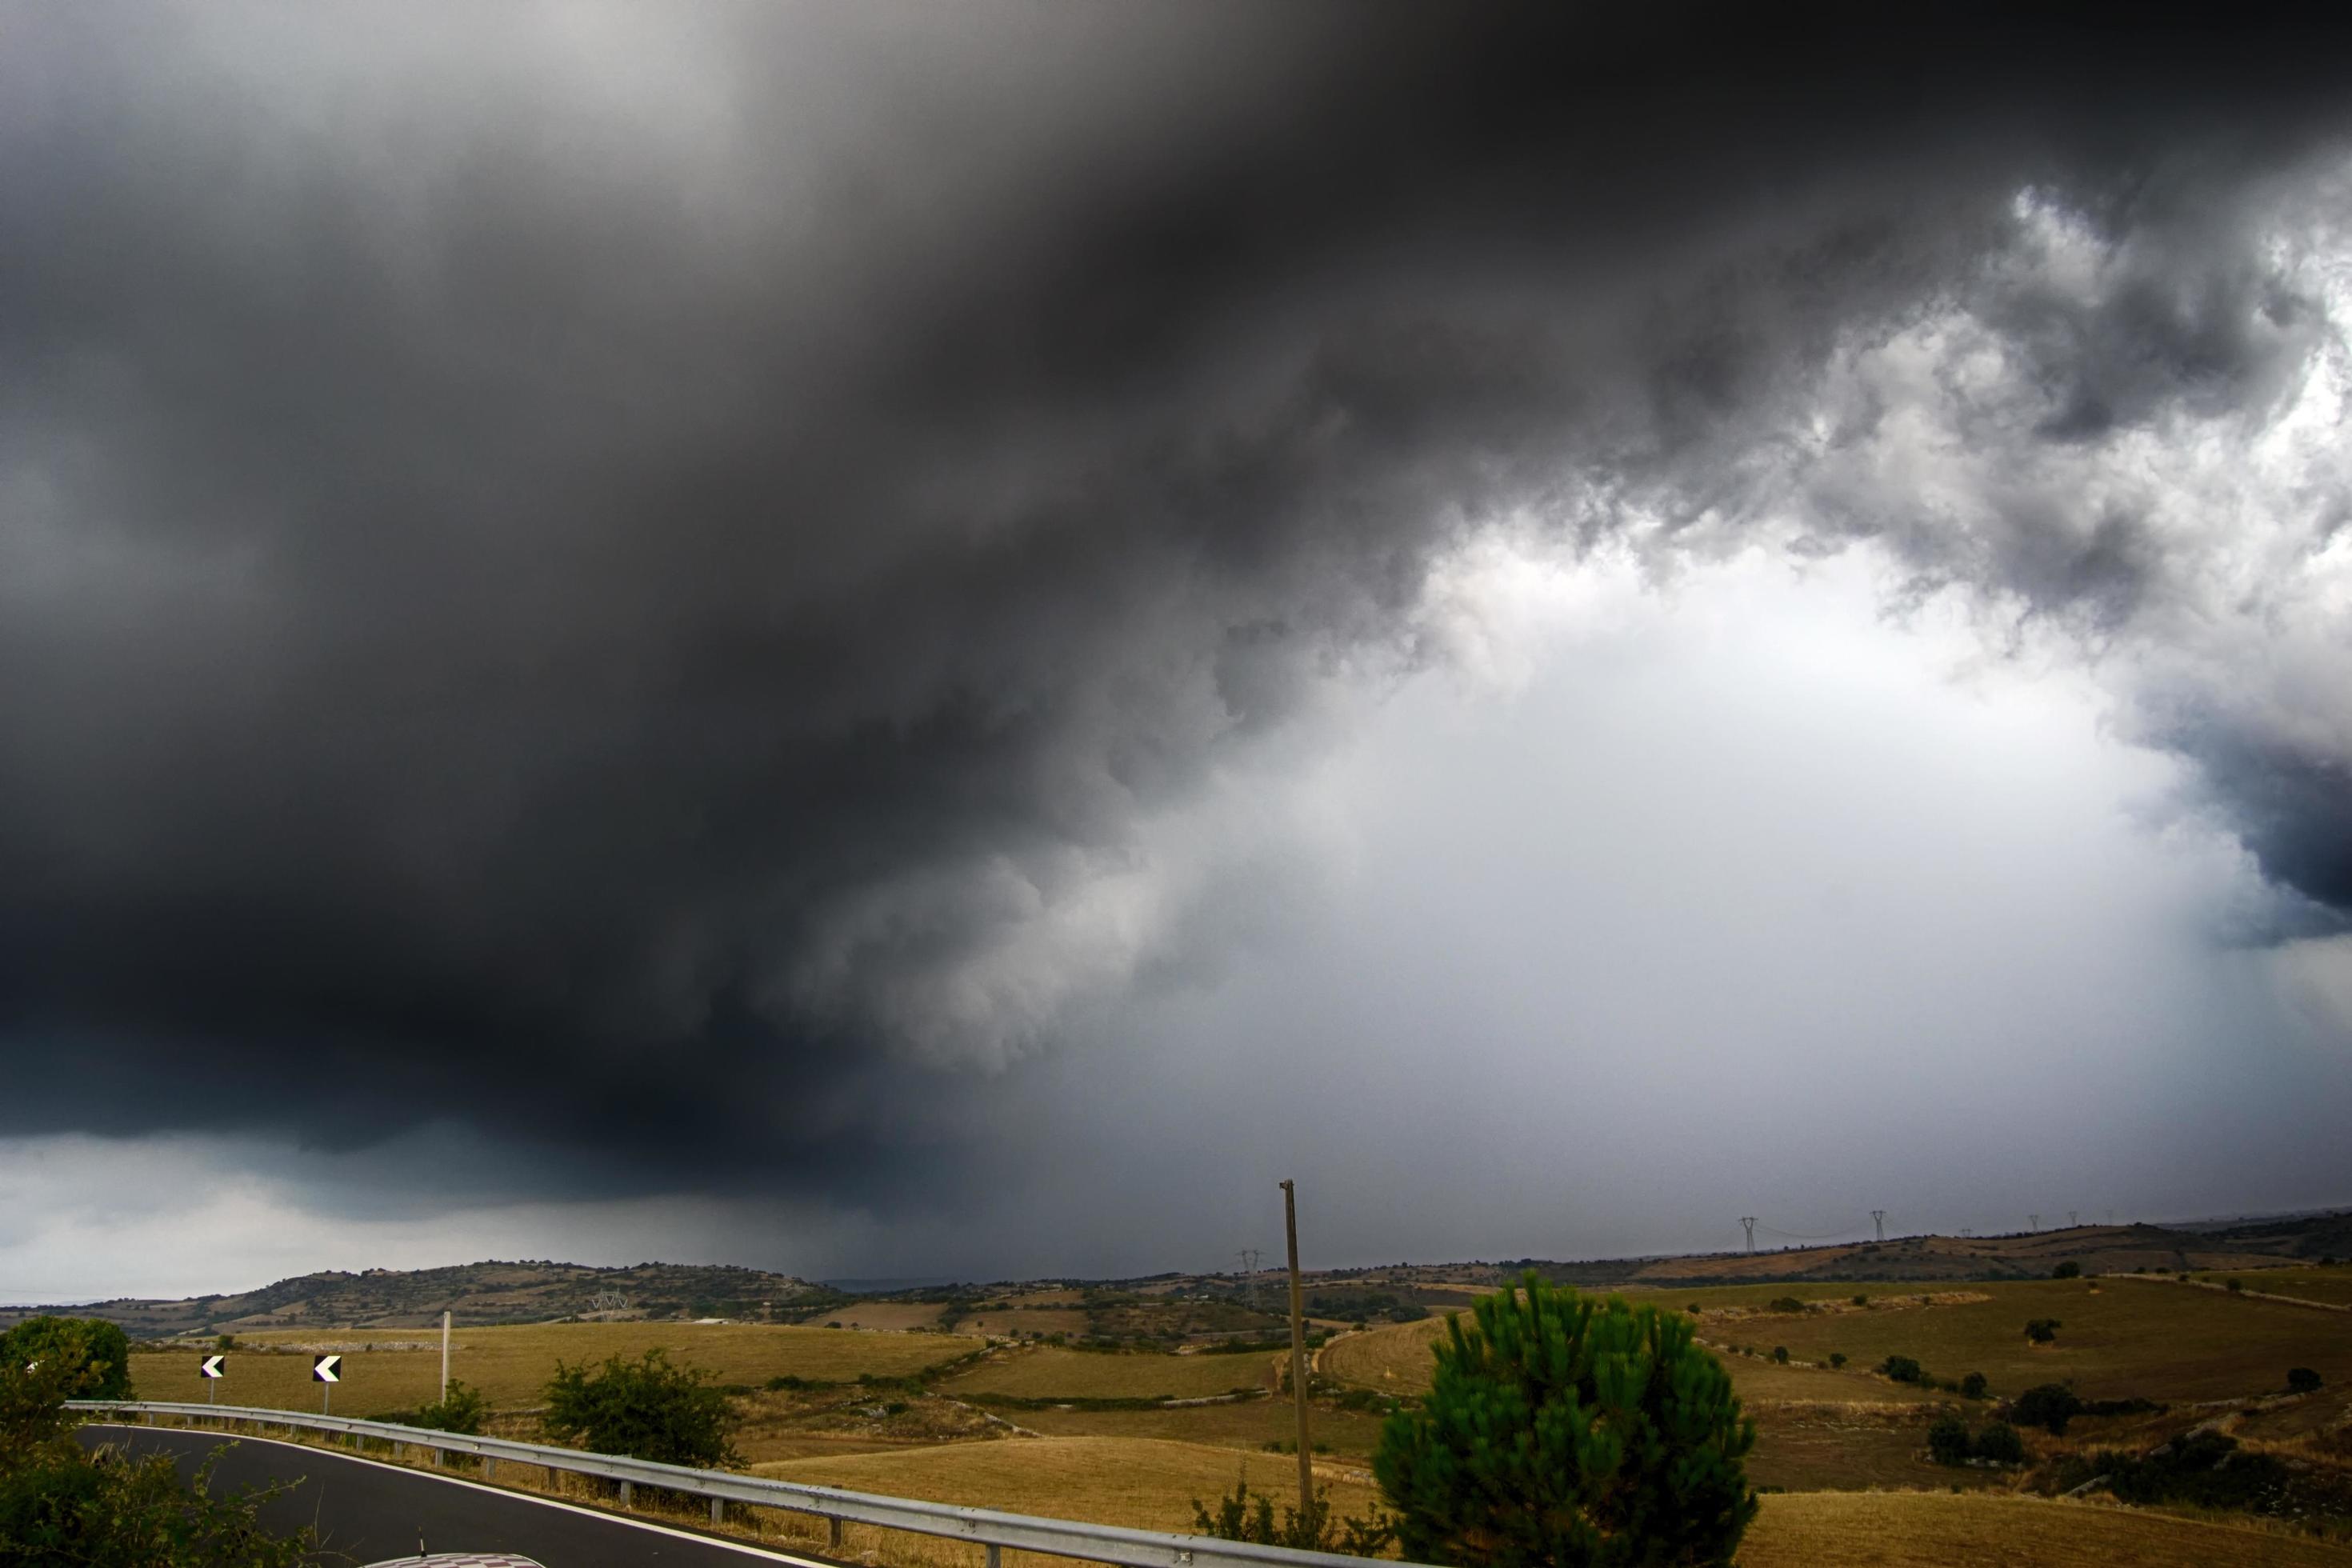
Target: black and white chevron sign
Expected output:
[212,1365]
[326,1369]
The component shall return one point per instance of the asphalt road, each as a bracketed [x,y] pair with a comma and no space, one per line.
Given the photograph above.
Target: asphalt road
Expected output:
[365,1511]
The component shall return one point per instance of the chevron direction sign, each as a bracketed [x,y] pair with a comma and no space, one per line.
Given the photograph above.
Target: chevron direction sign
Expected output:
[326,1369]
[212,1366]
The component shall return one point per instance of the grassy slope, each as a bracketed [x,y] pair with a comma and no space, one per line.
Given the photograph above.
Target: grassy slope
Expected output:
[1248,1426]
[1140,1481]
[1897,1529]
[1048,1372]
[2124,1338]
[511,1365]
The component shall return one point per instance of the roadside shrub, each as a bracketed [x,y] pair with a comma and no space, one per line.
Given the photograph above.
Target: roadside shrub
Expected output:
[1244,1515]
[1902,1369]
[2302,1380]
[1973,1386]
[2069,1269]
[459,1410]
[2000,1443]
[1837,1358]
[1568,1429]
[63,1504]
[2042,1331]
[2049,1405]
[645,1408]
[91,1355]
[1862,1300]
[1947,1440]
[1785,1304]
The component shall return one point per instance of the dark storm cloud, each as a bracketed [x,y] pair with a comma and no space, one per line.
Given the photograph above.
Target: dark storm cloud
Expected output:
[626,575]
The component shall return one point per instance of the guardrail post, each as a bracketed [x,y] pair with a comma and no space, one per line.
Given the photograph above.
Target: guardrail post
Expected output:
[833,1534]
[718,1513]
[626,1490]
[490,1466]
[995,1555]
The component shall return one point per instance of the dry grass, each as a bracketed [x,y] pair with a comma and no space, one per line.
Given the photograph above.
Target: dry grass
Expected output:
[1898,1529]
[511,1365]
[1395,1359]
[2331,1286]
[1809,1448]
[1248,1424]
[1048,1372]
[1140,1481]
[886,1315]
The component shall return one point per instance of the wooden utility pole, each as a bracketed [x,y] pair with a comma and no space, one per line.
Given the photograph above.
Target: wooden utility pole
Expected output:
[1298,1359]
[445,1355]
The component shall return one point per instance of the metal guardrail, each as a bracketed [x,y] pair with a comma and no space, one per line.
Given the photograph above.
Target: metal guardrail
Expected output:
[1060,1537]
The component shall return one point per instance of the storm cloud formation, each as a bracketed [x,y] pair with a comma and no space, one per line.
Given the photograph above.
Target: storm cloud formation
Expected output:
[593,553]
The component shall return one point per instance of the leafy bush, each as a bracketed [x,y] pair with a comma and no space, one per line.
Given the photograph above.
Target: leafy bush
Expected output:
[1902,1369]
[2042,1331]
[2000,1443]
[1837,1358]
[2069,1269]
[645,1408]
[1781,1355]
[1947,1440]
[1972,1386]
[1785,1304]
[1244,1515]
[459,1410]
[2234,1283]
[61,1504]
[2049,1405]
[1862,1300]
[2302,1380]
[2208,1470]
[93,1356]
[1567,1429]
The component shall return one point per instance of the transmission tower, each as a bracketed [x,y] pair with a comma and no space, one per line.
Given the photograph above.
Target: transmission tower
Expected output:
[1878,1218]
[2070,1220]
[1750,1221]
[1249,1256]
[2033,1222]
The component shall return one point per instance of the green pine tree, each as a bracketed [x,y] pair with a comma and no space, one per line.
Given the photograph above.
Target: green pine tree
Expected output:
[1569,1430]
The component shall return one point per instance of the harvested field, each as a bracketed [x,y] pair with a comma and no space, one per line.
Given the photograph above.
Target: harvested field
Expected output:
[1395,1359]
[2115,1340]
[1809,1448]
[2331,1286]
[1248,1424]
[511,1365]
[1931,1530]
[1049,1372]
[885,1315]
[1137,1481]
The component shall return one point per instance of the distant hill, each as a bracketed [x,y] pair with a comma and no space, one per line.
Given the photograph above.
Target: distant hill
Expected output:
[477,1293]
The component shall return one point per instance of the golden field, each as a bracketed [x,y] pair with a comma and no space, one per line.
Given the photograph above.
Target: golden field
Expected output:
[1050,1372]
[511,1365]
[1145,1482]
[1932,1530]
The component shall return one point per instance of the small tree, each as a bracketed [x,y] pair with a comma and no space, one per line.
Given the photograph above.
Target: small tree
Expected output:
[2302,1380]
[1570,1431]
[1947,1440]
[2042,1331]
[2234,1283]
[1837,1358]
[2067,1271]
[647,1408]
[92,1355]
[2000,1443]
[2049,1405]
[459,1410]
[1972,1386]
[1902,1369]
[1781,1355]
[63,1504]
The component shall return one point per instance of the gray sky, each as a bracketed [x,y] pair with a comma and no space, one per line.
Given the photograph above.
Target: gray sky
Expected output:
[946,640]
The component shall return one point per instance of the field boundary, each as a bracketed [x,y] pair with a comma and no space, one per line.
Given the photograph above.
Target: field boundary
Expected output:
[2225,1289]
[995,1529]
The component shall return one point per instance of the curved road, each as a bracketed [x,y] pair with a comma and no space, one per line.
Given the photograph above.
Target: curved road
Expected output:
[365,1511]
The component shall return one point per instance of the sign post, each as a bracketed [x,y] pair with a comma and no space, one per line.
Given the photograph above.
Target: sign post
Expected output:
[328,1371]
[213,1369]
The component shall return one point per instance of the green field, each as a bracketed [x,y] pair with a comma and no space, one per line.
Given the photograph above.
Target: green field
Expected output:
[2331,1286]
[512,1365]
[1049,1372]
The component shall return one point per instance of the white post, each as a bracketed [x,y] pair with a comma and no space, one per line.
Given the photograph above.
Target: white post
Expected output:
[445,1355]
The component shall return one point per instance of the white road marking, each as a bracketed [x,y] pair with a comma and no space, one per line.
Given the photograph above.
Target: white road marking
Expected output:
[720,1540]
